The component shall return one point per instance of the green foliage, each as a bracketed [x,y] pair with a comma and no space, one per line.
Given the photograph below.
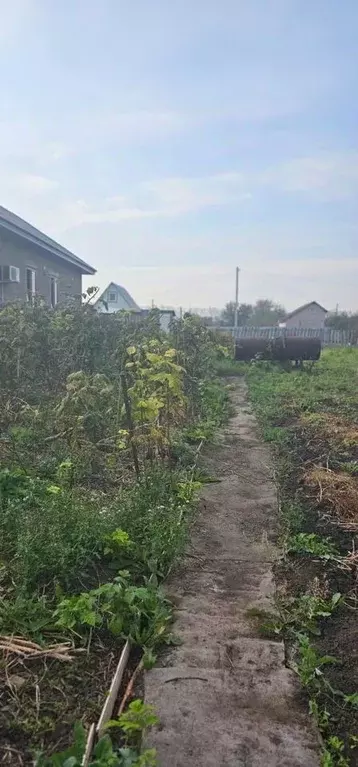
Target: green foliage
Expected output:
[304,415]
[301,614]
[134,722]
[138,717]
[310,543]
[26,616]
[227,366]
[139,613]
[156,392]
[155,514]
[71,757]
[264,312]
[71,506]
[333,754]
[48,533]
[309,664]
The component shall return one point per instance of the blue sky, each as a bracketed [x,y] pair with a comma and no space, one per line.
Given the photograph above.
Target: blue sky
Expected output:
[167,143]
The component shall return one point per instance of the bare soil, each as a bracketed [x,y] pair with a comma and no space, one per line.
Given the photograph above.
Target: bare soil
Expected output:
[41,700]
[224,695]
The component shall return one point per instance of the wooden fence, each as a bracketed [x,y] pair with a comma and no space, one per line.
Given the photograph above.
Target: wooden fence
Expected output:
[328,336]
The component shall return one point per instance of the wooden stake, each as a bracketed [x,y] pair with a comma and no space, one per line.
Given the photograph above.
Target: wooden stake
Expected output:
[130,424]
[89,746]
[108,707]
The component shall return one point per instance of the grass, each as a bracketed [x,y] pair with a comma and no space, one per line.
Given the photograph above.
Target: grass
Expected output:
[310,417]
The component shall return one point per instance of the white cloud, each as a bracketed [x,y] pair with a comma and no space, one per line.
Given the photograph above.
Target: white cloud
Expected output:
[325,177]
[29,184]
[175,196]
[168,197]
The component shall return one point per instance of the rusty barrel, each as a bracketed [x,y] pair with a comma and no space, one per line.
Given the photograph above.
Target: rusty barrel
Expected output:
[279,349]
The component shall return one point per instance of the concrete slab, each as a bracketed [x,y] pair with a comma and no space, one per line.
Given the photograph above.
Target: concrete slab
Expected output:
[224,696]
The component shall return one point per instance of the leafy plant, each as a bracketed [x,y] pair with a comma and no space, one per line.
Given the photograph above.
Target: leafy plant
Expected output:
[139,613]
[309,664]
[48,533]
[105,754]
[310,543]
[334,753]
[301,614]
[27,616]
[138,718]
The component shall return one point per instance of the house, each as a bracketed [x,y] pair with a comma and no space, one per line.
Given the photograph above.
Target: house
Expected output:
[115,299]
[33,264]
[311,315]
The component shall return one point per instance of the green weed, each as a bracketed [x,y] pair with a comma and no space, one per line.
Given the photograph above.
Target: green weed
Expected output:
[300,614]
[49,533]
[26,616]
[310,543]
[134,722]
[309,664]
[139,613]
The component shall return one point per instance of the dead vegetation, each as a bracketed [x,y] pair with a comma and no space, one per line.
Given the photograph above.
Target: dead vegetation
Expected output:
[331,427]
[336,491]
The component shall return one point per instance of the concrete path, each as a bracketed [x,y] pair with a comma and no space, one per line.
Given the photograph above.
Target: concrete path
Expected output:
[224,696]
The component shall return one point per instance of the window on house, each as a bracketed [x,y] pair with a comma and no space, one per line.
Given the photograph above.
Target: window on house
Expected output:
[112,297]
[53,291]
[30,284]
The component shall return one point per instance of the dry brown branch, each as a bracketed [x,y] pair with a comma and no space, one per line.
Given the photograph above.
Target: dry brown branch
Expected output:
[28,650]
[129,688]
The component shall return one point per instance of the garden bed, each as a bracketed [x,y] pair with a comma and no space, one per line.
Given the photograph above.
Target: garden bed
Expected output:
[101,423]
[311,419]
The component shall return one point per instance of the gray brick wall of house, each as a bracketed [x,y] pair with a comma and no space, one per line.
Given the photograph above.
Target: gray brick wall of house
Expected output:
[311,316]
[15,251]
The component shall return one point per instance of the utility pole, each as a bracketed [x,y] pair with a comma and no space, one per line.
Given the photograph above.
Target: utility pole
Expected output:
[236,297]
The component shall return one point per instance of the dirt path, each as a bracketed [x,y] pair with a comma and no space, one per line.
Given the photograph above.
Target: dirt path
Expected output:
[224,696]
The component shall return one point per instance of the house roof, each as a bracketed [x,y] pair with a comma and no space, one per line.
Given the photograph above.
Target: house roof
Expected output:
[303,307]
[127,299]
[18,226]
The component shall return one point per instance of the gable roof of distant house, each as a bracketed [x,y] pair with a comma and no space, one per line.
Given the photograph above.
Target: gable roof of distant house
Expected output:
[18,226]
[303,307]
[128,301]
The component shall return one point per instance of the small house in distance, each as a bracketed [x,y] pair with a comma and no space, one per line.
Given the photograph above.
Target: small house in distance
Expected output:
[32,264]
[311,315]
[115,299]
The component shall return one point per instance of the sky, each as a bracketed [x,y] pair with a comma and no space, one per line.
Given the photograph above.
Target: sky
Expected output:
[167,143]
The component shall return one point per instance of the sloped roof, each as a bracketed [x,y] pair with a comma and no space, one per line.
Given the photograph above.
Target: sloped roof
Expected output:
[127,299]
[303,307]
[17,225]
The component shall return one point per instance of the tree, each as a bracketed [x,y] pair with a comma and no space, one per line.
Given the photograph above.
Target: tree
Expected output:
[243,314]
[267,313]
[263,313]
[347,321]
